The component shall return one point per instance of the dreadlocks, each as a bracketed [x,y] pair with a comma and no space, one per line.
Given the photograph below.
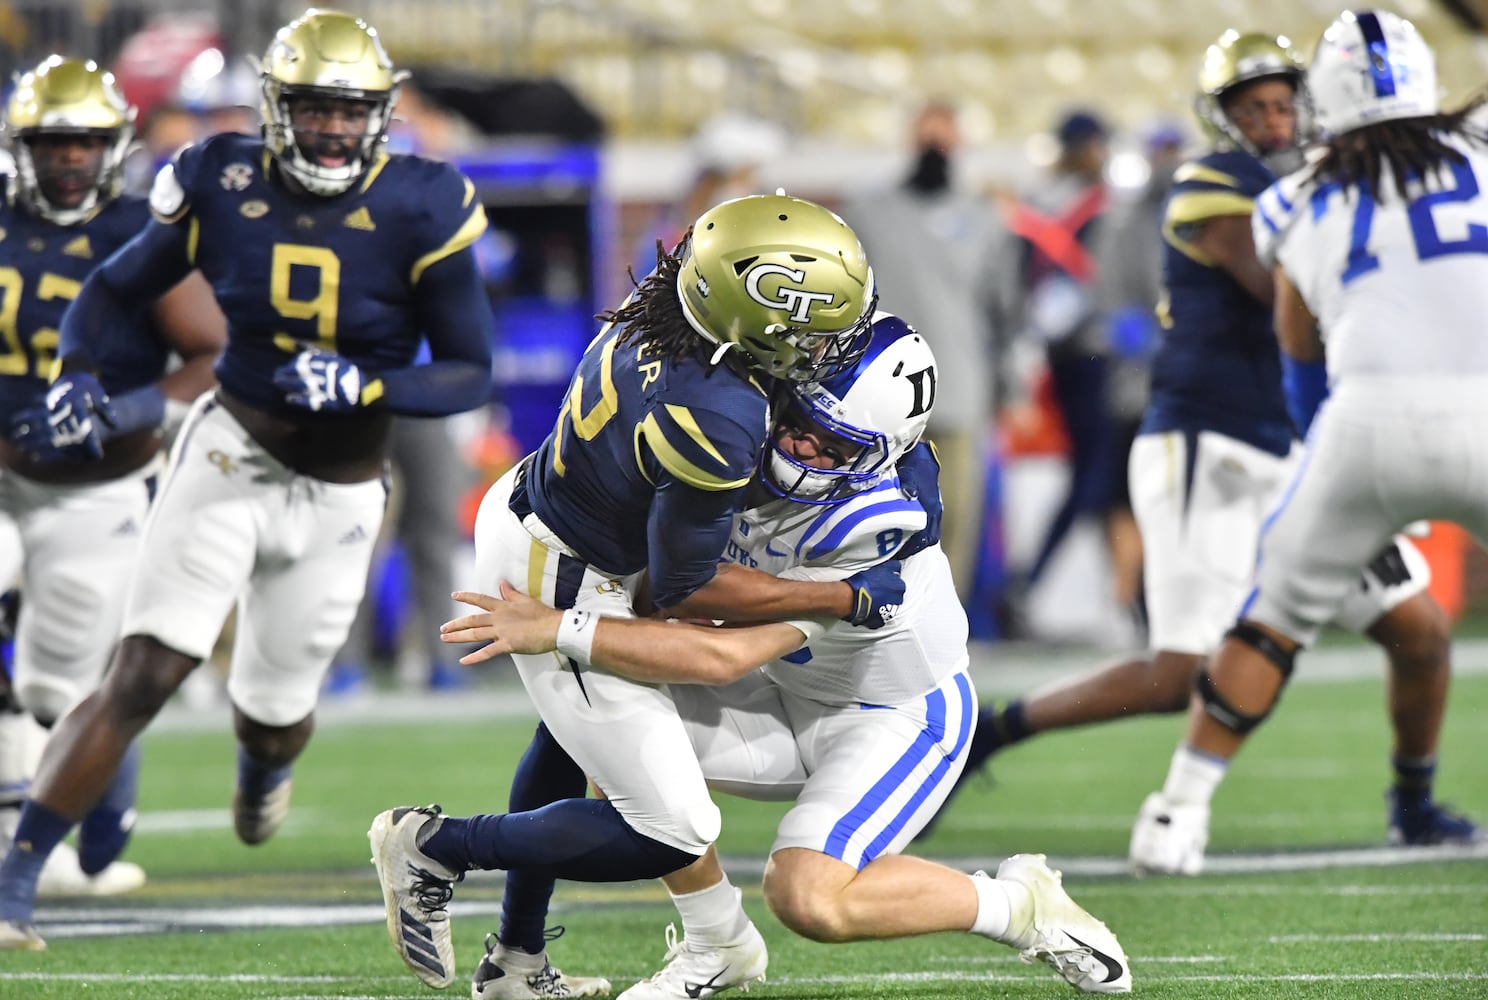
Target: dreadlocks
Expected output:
[1413,147]
[652,315]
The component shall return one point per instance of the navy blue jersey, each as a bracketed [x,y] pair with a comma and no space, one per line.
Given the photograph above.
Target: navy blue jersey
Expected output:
[42,269]
[341,272]
[648,463]
[1218,367]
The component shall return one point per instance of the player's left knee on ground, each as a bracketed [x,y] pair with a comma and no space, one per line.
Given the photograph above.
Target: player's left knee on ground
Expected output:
[804,890]
[273,746]
[1221,708]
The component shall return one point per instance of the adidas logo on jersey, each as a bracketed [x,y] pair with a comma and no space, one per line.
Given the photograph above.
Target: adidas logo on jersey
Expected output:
[353,536]
[360,219]
[127,527]
[79,247]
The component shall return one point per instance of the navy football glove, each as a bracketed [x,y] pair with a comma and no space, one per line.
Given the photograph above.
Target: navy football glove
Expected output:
[878,591]
[319,380]
[919,476]
[71,426]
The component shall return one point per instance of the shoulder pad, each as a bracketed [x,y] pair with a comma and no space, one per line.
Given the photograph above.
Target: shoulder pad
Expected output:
[866,528]
[703,449]
[167,195]
[451,217]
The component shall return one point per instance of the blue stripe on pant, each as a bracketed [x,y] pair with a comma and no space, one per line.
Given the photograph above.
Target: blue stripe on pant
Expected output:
[930,737]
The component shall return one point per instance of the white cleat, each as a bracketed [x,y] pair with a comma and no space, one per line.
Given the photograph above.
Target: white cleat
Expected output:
[62,876]
[16,936]
[512,974]
[693,974]
[1169,839]
[1061,934]
[416,891]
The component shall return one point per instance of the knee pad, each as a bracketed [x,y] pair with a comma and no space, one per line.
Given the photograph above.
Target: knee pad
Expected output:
[1220,710]
[1260,640]
[47,698]
[1217,706]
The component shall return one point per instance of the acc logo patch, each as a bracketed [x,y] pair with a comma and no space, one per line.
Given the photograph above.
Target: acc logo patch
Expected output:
[797,301]
[254,209]
[236,177]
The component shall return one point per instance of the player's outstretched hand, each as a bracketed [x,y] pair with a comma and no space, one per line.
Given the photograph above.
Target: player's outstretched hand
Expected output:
[878,591]
[71,426]
[511,623]
[318,379]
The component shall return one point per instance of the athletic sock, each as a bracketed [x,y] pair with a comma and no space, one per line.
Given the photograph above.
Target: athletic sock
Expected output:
[105,830]
[586,840]
[1414,775]
[998,901]
[1193,776]
[545,774]
[255,778]
[37,835]
[713,917]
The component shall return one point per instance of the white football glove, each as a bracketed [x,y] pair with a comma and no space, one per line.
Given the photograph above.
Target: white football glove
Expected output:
[319,380]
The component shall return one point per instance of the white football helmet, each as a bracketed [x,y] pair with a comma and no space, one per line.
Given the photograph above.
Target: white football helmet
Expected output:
[882,404]
[1369,67]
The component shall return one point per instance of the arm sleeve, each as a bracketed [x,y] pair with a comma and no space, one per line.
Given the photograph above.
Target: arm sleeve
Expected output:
[456,318]
[140,272]
[688,530]
[1305,385]
[701,454]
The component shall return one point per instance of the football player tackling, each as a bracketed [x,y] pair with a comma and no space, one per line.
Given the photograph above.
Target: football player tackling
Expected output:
[864,731]
[658,437]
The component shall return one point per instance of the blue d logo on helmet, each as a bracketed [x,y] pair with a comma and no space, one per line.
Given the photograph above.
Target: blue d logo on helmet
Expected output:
[1371,67]
[881,405]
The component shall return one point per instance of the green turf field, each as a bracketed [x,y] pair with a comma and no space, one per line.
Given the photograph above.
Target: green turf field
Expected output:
[1309,904]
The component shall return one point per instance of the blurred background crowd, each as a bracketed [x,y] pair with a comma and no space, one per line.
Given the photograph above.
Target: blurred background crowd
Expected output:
[1004,162]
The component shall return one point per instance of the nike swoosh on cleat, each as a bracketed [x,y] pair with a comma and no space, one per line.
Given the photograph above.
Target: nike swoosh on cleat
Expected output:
[695,990]
[1114,969]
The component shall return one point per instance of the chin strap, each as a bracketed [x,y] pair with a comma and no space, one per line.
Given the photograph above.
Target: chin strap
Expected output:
[722,350]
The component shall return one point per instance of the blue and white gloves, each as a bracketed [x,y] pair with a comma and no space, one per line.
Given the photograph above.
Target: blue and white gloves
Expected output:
[321,381]
[878,593]
[71,426]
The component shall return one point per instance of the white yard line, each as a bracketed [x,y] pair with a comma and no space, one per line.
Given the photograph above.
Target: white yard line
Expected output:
[854,980]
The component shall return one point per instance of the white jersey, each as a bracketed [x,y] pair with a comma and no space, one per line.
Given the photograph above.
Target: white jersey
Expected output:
[840,663]
[1399,287]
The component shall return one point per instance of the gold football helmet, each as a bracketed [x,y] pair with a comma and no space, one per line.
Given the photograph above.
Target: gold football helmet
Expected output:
[61,98]
[326,55]
[1237,59]
[783,280]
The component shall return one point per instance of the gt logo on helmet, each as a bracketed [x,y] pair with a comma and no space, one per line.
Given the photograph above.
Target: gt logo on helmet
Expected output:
[797,300]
